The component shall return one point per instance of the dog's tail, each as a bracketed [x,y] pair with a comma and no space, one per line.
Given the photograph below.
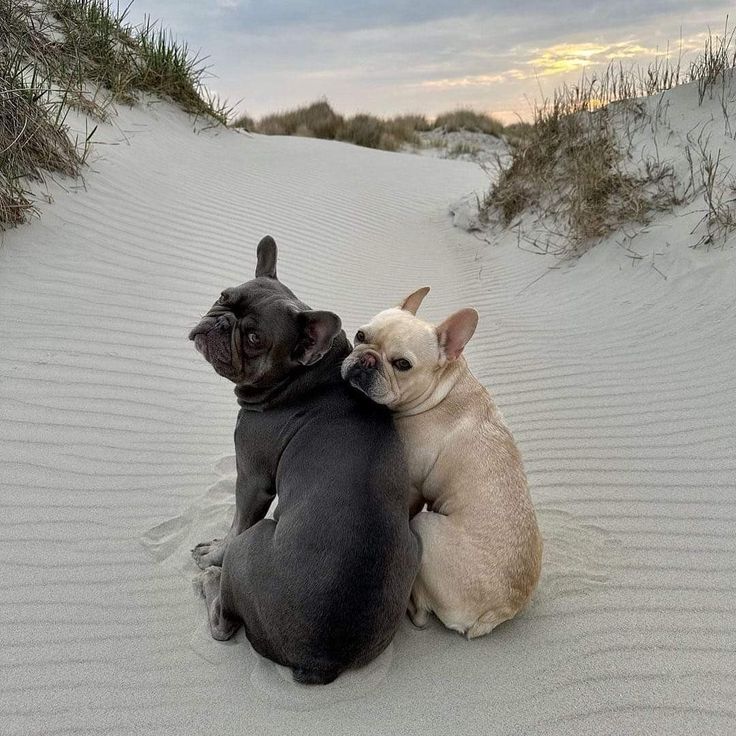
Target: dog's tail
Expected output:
[307,676]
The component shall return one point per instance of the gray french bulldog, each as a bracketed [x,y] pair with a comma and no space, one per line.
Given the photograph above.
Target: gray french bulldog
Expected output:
[321,587]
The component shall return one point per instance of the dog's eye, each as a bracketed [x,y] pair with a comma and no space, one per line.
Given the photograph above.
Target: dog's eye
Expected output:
[223,298]
[253,339]
[402,364]
[360,336]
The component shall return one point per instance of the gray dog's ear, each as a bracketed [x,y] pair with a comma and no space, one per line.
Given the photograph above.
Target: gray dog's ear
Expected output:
[318,330]
[267,255]
[413,301]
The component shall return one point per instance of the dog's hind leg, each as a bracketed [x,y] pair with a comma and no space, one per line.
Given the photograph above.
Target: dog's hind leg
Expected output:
[222,626]
[306,676]
[418,613]
[488,621]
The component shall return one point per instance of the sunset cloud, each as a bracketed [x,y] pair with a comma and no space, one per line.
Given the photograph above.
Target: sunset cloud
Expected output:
[394,56]
[567,57]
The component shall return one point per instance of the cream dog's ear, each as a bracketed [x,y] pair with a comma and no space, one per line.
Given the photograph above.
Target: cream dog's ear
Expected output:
[414,300]
[455,332]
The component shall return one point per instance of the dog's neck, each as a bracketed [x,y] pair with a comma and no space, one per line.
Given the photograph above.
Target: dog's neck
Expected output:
[452,377]
[297,383]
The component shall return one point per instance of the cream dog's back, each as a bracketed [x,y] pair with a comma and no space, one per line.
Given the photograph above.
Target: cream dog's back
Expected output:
[482,549]
[481,546]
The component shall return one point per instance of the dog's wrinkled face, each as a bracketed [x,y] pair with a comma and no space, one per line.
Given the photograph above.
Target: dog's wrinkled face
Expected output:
[399,360]
[257,333]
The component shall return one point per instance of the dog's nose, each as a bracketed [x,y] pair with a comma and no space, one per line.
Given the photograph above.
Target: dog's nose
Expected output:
[368,360]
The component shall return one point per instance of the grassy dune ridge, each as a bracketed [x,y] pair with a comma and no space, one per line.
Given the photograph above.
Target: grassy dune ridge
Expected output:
[319,120]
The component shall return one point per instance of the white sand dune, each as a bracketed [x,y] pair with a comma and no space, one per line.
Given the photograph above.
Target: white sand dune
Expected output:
[116,454]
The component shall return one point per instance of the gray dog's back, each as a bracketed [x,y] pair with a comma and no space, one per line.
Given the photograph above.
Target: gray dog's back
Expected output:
[324,586]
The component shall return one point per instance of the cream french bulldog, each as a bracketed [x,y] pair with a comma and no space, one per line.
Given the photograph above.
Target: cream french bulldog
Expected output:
[482,550]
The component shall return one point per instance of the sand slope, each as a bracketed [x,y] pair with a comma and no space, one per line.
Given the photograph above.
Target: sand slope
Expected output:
[115,449]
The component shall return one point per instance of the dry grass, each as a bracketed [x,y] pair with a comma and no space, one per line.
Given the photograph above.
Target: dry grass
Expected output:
[470,120]
[411,123]
[717,58]
[33,137]
[244,122]
[368,131]
[319,120]
[568,166]
[102,47]
[719,196]
[463,149]
[51,53]
[573,169]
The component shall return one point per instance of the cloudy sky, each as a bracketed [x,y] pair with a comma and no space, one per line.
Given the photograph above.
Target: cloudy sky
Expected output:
[388,57]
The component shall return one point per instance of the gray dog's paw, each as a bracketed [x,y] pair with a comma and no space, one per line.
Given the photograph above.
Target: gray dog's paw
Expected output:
[207,581]
[198,584]
[209,553]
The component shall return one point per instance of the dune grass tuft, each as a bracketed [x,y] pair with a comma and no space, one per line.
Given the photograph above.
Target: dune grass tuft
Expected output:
[463,149]
[51,53]
[569,166]
[244,122]
[410,124]
[470,120]
[368,131]
[319,120]
[374,132]
[572,167]
[711,66]
[104,48]
[33,136]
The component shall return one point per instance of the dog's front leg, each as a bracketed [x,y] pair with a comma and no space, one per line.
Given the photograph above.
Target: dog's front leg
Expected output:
[253,497]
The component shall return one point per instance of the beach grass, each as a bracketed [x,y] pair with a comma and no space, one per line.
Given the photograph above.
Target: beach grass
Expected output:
[470,120]
[572,166]
[33,136]
[102,46]
[319,120]
[58,55]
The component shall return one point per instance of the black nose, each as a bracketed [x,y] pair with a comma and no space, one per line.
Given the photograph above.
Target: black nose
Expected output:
[368,360]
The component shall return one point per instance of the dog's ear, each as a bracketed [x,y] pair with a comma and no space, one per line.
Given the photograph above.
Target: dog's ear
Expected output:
[267,255]
[455,332]
[318,330]
[414,300]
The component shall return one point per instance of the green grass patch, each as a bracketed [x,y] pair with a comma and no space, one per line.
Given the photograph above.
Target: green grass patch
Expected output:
[101,46]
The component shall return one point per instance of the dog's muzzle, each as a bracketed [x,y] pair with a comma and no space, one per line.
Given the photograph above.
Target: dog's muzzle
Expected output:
[367,360]
[363,373]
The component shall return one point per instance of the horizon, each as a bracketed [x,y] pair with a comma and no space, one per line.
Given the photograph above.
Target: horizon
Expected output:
[389,59]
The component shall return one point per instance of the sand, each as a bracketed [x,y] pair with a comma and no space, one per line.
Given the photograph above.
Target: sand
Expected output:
[116,454]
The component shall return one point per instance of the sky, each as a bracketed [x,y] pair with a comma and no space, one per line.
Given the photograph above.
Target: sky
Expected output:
[388,58]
